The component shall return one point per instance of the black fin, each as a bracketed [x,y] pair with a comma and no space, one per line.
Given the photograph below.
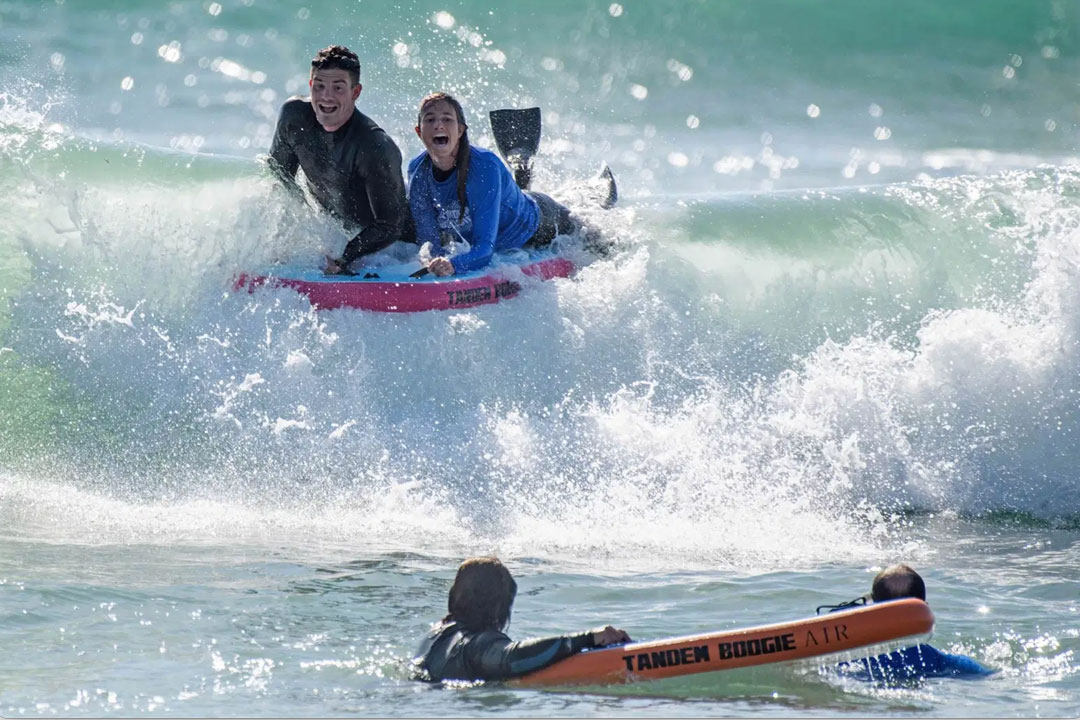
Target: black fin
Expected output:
[516,131]
[517,135]
[609,193]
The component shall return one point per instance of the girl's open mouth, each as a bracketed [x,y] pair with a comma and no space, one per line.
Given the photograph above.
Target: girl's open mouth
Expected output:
[440,140]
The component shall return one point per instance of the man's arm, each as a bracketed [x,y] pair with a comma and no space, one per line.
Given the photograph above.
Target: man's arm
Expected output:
[492,656]
[283,160]
[385,191]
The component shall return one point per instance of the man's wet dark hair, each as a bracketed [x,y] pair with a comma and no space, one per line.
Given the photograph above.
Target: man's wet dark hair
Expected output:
[337,57]
[482,595]
[898,581]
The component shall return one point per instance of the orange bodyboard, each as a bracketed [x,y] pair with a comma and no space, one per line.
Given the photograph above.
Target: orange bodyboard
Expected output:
[836,632]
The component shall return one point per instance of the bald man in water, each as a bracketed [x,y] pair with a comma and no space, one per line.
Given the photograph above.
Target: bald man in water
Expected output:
[912,663]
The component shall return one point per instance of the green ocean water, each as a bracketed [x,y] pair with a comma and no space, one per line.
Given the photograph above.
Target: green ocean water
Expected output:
[840,331]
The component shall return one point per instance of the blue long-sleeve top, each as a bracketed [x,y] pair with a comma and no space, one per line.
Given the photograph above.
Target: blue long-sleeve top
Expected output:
[498,215]
[911,663]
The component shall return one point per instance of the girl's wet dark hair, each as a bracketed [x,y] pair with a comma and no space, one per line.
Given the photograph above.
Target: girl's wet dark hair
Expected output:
[337,57]
[461,160]
[482,595]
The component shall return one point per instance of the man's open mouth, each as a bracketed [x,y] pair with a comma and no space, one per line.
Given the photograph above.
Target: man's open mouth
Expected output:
[327,109]
[441,140]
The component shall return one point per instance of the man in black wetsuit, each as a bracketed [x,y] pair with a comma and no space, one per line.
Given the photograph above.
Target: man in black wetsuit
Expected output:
[353,168]
[469,643]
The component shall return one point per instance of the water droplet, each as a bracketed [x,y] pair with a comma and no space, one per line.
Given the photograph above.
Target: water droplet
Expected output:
[678,159]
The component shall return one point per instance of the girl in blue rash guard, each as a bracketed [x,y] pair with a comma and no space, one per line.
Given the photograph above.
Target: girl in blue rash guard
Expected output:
[469,643]
[461,192]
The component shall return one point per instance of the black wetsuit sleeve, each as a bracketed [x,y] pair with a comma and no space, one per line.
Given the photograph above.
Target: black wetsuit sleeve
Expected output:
[385,190]
[492,656]
[283,160]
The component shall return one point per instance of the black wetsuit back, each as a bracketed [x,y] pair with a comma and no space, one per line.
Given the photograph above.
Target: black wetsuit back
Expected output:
[450,652]
[353,172]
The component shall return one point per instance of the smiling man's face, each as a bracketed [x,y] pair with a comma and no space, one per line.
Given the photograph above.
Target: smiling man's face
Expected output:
[333,95]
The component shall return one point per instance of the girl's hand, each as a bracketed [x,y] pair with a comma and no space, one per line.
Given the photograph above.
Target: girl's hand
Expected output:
[441,266]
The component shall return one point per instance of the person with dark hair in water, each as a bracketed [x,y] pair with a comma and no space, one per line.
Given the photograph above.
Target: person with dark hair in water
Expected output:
[470,642]
[460,192]
[911,663]
[897,581]
[352,167]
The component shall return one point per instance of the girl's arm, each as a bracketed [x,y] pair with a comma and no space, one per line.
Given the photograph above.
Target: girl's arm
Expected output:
[484,195]
[420,202]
